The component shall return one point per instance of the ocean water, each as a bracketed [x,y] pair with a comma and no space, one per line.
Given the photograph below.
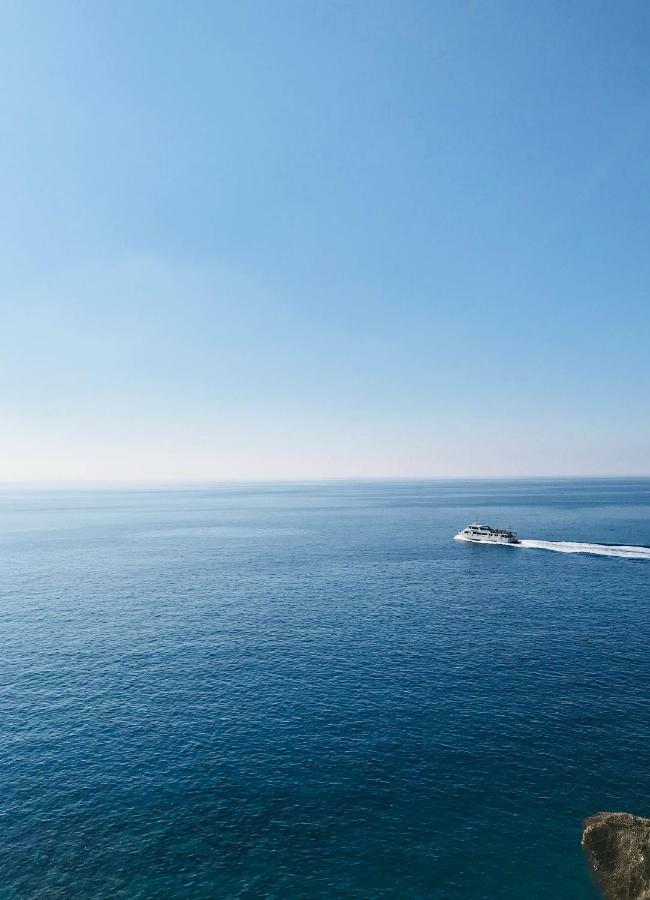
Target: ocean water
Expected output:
[313,691]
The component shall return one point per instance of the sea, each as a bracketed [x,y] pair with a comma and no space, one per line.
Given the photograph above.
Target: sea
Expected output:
[311,690]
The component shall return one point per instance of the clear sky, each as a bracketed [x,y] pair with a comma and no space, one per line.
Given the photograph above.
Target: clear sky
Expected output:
[324,239]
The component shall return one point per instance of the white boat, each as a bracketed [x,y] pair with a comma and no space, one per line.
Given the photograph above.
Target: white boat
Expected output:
[484,534]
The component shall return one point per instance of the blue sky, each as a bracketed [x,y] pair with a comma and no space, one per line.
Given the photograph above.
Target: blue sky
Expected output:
[324,239]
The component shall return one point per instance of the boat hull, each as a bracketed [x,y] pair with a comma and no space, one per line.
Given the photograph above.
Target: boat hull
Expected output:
[473,540]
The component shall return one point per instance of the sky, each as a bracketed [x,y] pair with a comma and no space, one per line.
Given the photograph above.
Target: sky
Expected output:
[321,239]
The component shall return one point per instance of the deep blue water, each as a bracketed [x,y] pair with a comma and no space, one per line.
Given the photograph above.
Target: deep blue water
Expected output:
[312,691]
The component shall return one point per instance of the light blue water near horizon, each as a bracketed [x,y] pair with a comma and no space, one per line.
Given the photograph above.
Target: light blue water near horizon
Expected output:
[312,690]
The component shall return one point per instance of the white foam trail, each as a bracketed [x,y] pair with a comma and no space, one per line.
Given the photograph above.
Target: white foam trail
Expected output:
[596,549]
[619,550]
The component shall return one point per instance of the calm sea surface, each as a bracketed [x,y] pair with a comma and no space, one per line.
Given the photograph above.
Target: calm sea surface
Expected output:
[312,691]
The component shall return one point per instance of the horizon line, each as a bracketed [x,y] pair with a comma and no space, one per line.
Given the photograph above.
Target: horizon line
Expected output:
[331,479]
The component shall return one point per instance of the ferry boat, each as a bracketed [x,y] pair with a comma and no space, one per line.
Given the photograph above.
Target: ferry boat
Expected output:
[486,535]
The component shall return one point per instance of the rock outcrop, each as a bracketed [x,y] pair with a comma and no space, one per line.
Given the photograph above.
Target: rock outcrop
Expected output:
[618,849]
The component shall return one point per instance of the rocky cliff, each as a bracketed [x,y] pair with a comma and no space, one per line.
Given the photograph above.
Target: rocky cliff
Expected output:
[618,849]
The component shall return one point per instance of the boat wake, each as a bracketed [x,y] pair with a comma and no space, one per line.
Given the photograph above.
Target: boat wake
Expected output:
[619,550]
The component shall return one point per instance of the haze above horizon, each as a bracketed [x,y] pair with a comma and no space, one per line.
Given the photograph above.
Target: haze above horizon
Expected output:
[307,241]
